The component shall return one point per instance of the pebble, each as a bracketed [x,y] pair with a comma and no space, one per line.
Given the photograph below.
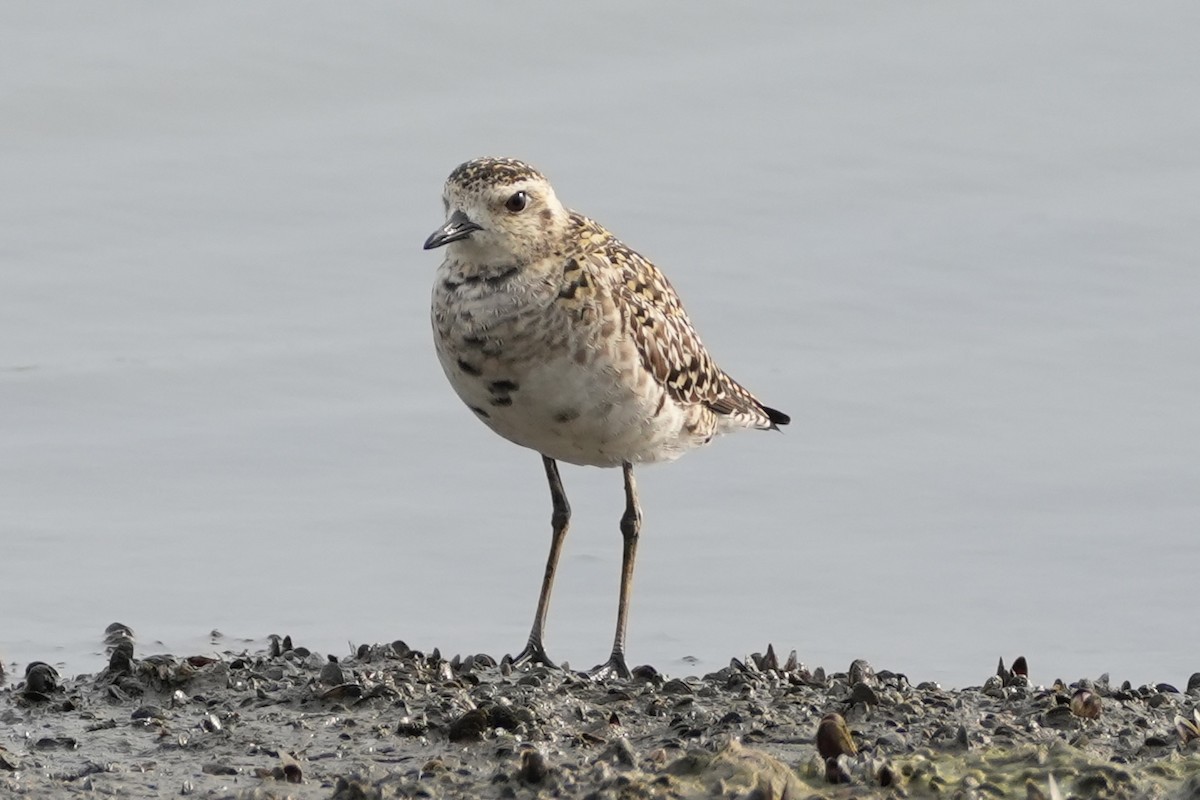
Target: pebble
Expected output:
[41,680]
[533,767]
[396,722]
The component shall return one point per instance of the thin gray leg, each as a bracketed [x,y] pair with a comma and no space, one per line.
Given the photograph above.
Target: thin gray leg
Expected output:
[631,526]
[534,652]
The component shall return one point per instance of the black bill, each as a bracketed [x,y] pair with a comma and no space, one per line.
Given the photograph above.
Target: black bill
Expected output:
[456,228]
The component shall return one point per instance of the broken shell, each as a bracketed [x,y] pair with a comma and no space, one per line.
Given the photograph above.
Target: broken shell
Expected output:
[646,674]
[1060,717]
[1085,704]
[345,691]
[40,680]
[291,768]
[334,674]
[833,737]
[508,718]
[200,661]
[860,672]
[863,693]
[412,726]
[1017,676]
[116,633]
[1188,729]
[8,761]
[469,727]
[769,660]
[121,660]
[533,767]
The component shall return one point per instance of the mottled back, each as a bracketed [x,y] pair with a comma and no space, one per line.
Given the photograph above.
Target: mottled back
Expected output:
[668,343]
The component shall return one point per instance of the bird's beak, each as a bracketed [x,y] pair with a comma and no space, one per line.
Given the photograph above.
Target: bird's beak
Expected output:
[457,227]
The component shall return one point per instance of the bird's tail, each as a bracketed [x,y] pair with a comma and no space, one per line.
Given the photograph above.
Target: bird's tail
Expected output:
[777,417]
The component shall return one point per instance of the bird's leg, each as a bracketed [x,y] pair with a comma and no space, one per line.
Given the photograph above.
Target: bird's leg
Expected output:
[534,652]
[631,526]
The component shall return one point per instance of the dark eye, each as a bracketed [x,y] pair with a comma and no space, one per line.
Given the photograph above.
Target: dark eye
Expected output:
[517,202]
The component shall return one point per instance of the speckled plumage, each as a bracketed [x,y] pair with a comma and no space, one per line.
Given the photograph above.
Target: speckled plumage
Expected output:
[594,353]
[564,340]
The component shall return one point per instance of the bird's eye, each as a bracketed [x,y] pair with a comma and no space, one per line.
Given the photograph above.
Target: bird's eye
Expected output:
[517,202]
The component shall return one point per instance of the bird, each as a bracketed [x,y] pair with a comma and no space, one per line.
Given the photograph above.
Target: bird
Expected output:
[564,340]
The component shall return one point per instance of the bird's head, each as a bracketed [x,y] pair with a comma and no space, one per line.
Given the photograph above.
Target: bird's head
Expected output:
[499,210]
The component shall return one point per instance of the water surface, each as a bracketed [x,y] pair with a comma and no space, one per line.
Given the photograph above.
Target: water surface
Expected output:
[957,244]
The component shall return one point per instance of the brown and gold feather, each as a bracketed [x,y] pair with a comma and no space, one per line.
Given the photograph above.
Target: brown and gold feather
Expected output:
[654,317]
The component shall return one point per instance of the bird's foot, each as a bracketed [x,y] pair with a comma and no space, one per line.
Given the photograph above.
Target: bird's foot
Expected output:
[533,653]
[613,668]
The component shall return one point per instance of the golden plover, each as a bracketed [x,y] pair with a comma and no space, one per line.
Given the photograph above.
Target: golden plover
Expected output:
[562,339]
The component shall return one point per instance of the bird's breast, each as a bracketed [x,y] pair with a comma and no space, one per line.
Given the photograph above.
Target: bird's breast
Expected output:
[540,379]
[558,374]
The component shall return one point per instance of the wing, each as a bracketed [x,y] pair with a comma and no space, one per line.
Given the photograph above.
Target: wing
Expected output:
[669,346]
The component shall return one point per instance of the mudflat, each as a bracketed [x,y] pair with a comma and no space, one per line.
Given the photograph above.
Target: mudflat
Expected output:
[388,721]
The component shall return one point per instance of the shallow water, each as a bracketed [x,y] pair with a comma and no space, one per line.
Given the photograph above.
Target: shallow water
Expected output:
[957,245]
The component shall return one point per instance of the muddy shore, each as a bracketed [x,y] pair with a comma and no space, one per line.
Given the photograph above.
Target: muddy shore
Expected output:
[389,721]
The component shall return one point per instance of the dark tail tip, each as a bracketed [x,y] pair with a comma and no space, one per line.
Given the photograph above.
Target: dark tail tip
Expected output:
[777,417]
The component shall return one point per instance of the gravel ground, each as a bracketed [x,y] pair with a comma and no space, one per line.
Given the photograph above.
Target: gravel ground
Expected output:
[392,722]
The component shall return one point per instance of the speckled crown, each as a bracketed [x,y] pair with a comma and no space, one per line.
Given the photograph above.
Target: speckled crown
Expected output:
[488,170]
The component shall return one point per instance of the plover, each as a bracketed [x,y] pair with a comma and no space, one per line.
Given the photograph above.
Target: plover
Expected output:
[562,339]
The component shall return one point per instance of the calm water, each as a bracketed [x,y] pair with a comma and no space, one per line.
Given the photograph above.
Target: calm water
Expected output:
[957,244]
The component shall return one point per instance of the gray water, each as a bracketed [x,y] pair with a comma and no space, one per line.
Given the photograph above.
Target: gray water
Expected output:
[957,243]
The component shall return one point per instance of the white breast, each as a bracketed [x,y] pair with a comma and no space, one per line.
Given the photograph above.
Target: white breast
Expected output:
[588,414]
[538,378]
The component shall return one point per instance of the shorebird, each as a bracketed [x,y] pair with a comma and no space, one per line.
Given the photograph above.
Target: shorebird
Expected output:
[562,339]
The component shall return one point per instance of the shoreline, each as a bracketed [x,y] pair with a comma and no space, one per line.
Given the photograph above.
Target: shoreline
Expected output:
[394,722]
